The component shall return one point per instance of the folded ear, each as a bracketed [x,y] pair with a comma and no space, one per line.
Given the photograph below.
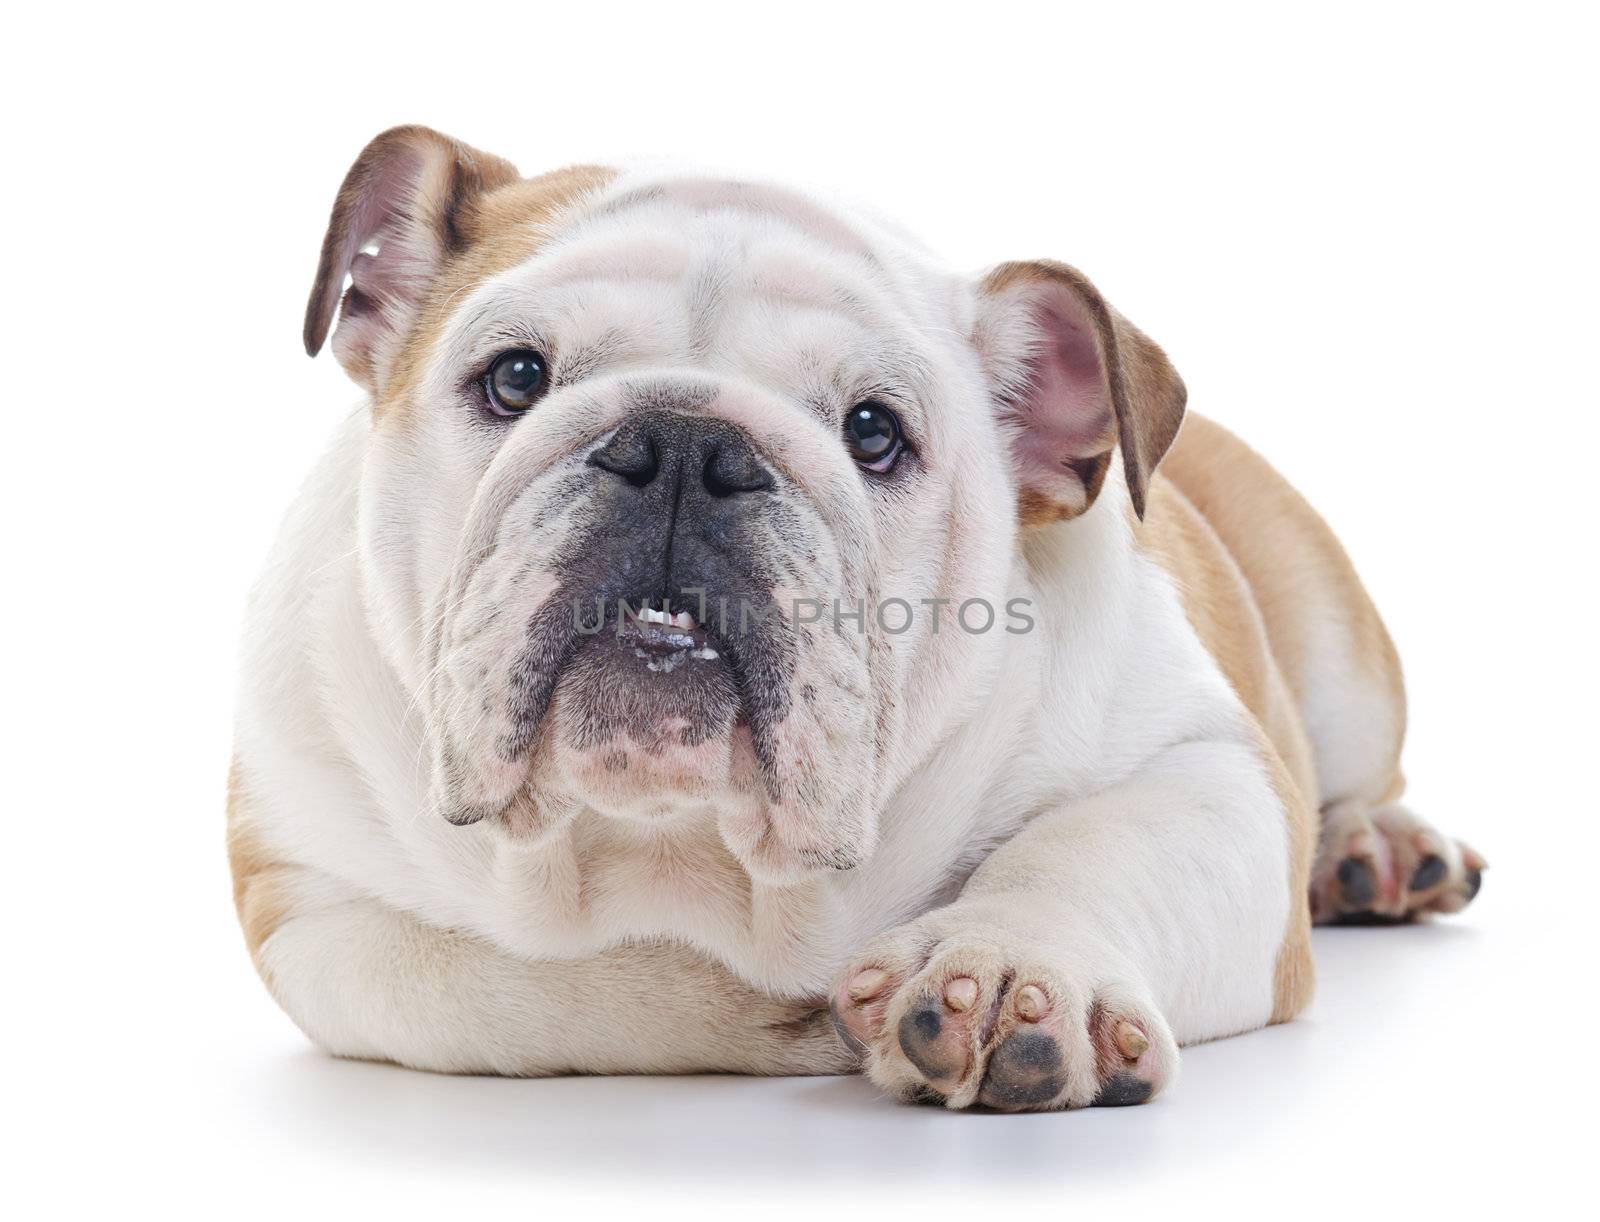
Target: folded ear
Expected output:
[1075,380]
[401,213]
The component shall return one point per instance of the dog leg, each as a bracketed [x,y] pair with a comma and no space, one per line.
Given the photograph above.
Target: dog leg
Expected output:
[1086,948]
[367,981]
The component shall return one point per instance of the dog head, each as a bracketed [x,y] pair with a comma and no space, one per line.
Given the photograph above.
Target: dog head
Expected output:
[689,498]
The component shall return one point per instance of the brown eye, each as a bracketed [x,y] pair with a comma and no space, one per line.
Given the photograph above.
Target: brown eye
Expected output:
[872,433]
[515,381]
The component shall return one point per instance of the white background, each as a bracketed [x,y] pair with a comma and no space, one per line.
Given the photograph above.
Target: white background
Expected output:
[1366,235]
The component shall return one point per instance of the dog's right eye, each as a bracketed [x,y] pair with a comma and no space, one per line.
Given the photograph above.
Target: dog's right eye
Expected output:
[516,381]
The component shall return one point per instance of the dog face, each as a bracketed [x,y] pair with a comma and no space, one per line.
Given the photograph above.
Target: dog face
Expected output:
[675,486]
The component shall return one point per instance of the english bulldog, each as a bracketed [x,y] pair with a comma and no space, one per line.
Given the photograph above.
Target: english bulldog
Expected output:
[726,640]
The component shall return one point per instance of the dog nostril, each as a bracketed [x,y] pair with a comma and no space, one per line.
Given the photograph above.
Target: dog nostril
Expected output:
[631,455]
[673,447]
[726,474]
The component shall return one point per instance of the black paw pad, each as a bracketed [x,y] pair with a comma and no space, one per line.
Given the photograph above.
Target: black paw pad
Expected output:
[919,1040]
[1356,882]
[1123,1090]
[1429,873]
[1024,1071]
[1474,884]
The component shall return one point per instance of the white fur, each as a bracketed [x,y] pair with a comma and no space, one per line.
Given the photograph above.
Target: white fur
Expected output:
[1107,733]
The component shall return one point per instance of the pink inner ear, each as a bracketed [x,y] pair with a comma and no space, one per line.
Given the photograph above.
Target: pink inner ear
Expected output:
[380,277]
[382,204]
[1065,412]
[376,216]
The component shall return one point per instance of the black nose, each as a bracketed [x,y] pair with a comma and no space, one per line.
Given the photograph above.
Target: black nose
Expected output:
[672,446]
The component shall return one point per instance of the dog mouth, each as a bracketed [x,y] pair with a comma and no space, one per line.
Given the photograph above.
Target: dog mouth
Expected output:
[651,675]
[615,670]
[662,640]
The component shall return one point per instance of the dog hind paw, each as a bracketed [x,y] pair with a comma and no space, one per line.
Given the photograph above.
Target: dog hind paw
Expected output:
[1377,864]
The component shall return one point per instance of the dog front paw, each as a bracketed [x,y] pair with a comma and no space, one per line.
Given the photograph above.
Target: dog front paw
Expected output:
[969,1015]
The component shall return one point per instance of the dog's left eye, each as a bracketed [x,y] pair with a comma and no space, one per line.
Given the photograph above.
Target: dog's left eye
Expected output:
[872,433]
[516,381]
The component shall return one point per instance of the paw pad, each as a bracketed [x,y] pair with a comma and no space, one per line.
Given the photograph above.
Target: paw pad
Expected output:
[1356,882]
[1025,1070]
[1429,873]
[1123,1090]
[935,1043]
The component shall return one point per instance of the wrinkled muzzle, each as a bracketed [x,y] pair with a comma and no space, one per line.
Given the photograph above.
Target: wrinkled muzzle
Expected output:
[651,637]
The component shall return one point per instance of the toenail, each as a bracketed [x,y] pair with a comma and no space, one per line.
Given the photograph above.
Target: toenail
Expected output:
[868,984]
[961,993]
[1131,1041]
[1356,882]
[846,1036]
[1031,1003]
[1474,883]
[1429,873]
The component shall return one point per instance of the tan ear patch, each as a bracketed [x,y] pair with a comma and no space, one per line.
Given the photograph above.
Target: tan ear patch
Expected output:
[419,217]
[1075,380]
[402,210]
[506,227]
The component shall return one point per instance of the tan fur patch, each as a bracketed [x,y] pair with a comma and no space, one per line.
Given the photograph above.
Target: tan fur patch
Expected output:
[260,882]
[444,178]
[505,227]
[1035,509]
[1294,974]
[1295,568]
[1221,605]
